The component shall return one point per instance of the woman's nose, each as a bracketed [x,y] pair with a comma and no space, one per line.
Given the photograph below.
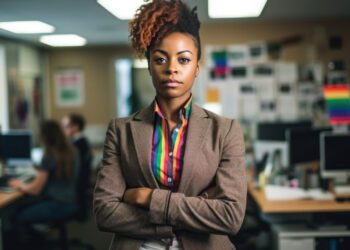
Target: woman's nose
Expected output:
[172,67]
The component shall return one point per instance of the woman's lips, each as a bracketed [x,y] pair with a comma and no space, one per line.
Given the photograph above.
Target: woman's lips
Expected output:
[172,83]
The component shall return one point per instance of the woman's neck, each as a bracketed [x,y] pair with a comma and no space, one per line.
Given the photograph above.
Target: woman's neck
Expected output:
[170,107]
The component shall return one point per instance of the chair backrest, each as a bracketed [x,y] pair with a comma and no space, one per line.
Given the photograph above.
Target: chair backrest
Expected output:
[83,182]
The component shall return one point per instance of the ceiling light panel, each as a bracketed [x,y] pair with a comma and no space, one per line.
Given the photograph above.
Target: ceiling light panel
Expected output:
[68,40]
[27,27]
[235,8]
[122,9]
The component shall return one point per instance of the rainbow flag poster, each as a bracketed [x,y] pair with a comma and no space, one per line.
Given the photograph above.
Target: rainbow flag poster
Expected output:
[338,103]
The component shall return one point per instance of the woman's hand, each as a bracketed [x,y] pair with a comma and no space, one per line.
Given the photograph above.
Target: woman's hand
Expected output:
[138,196]
[15,184]
[210,193]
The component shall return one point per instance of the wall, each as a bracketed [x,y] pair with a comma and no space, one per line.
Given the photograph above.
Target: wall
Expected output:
[4,118]
[313,47]
[22,75]
[98,62]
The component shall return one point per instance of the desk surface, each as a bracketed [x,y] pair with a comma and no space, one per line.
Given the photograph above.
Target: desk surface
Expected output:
[296,206]
[8,198]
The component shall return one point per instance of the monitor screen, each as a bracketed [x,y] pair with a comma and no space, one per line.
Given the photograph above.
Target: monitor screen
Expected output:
[304,145]
[16,145]
[335,160]
[276,131]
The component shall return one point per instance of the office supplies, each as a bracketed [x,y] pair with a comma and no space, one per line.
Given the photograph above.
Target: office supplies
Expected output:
[274,192]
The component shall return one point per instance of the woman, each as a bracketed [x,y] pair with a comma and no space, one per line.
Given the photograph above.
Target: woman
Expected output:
[173,174]
[54,184]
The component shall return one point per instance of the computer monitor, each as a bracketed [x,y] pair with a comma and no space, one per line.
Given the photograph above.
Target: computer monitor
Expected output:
[304,145]
[276,131]
[335,157]
[16,145]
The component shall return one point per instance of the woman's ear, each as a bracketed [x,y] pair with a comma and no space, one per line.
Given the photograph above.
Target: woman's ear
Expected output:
[197,69]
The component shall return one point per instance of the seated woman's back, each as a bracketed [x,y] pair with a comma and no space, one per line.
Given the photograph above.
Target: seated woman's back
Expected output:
[60,187]
[60,161]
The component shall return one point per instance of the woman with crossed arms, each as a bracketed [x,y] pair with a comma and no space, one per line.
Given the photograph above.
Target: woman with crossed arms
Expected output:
[173,174]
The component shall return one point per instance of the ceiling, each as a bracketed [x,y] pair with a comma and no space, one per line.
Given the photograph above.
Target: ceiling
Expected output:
[88,19]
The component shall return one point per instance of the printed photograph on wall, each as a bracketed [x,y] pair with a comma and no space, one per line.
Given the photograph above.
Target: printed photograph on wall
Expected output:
[69,84]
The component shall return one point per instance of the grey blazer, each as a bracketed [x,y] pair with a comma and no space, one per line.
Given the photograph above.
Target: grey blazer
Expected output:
[214,155]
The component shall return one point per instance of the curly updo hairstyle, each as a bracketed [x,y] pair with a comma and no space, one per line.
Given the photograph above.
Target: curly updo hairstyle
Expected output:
[159,18]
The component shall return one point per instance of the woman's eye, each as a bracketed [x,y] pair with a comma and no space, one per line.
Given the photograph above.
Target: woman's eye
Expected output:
[160,60]
[184,60]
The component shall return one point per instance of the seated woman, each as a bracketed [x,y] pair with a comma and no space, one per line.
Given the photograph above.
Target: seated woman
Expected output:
[54,186]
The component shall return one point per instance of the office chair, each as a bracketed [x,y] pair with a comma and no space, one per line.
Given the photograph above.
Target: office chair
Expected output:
[253,226]
[84,207]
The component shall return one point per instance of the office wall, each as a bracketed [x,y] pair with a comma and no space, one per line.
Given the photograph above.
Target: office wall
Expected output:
[22,84]
[313,47]
[97,62]
[4,123]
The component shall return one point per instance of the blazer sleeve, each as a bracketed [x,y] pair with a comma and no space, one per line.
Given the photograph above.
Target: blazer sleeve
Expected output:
[222,215]
[111,213]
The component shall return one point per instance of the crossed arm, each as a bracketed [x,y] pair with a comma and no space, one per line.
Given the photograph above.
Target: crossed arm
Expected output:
[146,213]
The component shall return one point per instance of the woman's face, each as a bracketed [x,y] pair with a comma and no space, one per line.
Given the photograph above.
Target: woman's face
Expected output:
[173,66]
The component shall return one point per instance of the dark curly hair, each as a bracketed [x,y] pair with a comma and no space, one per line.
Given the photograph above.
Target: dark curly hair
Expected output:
[159,18]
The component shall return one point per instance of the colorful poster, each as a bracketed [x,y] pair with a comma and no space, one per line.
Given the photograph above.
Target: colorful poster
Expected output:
[69,87]
[338,103]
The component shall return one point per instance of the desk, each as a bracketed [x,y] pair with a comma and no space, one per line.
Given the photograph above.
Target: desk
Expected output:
[281,216]
[5,200]
[8,198]
[295,206]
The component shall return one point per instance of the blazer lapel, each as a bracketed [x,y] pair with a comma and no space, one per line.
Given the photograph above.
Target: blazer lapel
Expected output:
[142,132]
[197,129]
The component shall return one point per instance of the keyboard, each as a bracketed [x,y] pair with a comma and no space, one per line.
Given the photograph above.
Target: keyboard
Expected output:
[5,178]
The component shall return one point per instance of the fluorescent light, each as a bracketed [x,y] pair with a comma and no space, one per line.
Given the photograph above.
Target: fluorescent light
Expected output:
[63,40]
[121,8]
[235,8]
[27,27]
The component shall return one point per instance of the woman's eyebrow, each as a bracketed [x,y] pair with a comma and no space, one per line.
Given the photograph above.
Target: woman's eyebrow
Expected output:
[166,53]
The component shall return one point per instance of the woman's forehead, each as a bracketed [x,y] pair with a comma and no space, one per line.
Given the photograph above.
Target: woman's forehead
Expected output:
[176,42]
